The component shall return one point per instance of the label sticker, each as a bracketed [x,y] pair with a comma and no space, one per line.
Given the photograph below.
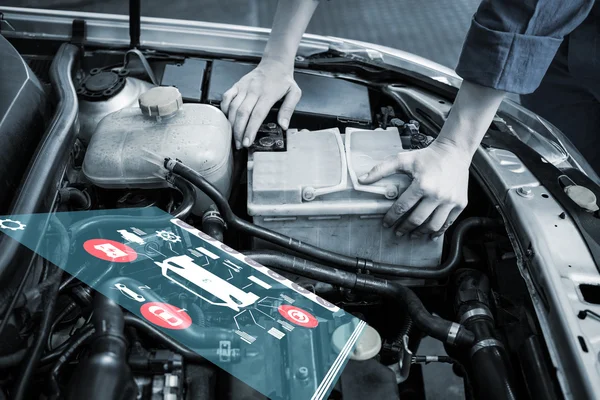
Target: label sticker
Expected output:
[166,315]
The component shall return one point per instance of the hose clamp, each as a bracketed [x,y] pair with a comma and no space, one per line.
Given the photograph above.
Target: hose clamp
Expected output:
[482,344]
[453,333]
[476,312]
[170,164]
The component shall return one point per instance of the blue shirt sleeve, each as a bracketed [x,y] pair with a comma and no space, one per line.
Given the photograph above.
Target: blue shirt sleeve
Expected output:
[511,43]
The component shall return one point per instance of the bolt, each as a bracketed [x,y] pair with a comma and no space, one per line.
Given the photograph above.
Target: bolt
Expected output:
[271,125]
[302,373]
[279,143]
[309,194]
[266,142]
[524,192]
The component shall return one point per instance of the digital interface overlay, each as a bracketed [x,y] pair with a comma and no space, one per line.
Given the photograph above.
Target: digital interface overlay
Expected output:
[262,328]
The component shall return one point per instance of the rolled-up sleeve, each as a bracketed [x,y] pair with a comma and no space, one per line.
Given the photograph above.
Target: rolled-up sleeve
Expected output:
[511,43]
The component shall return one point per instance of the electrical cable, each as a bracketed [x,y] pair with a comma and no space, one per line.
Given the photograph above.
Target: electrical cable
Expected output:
[342,261]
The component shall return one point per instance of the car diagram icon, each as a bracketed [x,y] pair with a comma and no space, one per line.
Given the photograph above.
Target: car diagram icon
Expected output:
[183,271]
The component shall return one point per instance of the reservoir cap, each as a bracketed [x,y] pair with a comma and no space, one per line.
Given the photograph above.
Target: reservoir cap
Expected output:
[162,101]
[583,196]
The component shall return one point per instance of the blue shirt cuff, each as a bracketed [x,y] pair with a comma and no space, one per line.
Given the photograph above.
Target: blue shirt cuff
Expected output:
[512,62]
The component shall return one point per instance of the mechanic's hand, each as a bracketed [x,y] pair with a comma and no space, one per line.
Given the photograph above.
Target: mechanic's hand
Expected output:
[437,194]
[249,101]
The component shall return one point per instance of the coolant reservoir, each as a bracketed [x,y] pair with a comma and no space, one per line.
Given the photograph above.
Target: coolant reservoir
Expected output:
[127,146]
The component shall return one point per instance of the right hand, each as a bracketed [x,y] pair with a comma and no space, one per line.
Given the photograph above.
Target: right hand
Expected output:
[249,101]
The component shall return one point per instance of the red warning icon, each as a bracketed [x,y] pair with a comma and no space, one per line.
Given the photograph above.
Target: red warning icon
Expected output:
[298,316]
[109,250]
[166,315]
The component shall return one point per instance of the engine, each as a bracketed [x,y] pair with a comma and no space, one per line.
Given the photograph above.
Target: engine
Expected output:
[152,143]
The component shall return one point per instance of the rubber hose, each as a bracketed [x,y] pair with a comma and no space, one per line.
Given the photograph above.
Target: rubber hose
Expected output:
[313,252]
[22,387]
[182,212]
[45,172]
[55,354]
[76,197]
[436,327]
[150,330]
[72,346]
[489,367]
[12,360]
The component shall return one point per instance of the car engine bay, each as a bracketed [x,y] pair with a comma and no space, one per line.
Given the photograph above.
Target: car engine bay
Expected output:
[126,129]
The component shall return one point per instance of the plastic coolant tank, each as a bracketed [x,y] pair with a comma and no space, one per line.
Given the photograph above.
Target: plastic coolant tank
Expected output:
[127,146]
[311,193]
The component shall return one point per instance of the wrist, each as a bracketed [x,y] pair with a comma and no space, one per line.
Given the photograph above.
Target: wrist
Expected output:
[280,63]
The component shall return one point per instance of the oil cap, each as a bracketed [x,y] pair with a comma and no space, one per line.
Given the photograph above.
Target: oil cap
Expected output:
[367,346]
[583,197]
[161,102]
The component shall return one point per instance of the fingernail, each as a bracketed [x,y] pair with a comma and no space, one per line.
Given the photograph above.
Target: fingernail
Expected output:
[435,238]
[246,142]
[415,235]
[399,234]
[238,145]
[284,123]
[363,177]
[386,225]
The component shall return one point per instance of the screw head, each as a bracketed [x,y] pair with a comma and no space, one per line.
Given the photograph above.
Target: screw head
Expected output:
[302,373]
[524,192]
[308,194]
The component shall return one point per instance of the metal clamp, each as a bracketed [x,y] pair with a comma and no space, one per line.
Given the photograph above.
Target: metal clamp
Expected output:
[486,343]
[475,313]
[452,333]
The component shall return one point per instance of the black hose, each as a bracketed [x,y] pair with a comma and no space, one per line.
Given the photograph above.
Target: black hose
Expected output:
[71,347]
[12,360]
[188,194]
[184,209]
[488,366]
[135,322]
[22,386]
[436,327]
[330,257]
[105,374]
[65,311]
[45,171]
[55,354]
[70,195]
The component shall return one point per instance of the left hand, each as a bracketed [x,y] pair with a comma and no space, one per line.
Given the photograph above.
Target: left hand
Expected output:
[437,194]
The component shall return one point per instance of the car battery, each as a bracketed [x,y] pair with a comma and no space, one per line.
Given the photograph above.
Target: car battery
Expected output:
[311,192]
[326,102]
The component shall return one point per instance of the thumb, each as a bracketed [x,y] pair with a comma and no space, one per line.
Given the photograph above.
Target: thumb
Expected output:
[400,163]
[288,106]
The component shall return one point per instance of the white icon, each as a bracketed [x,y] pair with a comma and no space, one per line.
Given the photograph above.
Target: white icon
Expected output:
[298,316]
[131,237]
[110,250]
[165,315]
[11,225]
[130,293]
[168,236]
[186,273]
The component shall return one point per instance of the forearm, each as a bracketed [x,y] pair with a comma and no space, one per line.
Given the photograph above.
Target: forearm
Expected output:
[291,19]
[473,112]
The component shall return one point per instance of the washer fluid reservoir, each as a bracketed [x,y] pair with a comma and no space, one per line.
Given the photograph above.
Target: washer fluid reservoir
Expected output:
[127,145]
